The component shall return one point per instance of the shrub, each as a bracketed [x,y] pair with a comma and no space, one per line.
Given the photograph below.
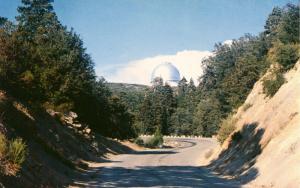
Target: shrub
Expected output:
[226,128]
[16,151]
[285,54]
[156,141]
[247,106]
[27,77]
[12,155]
[272,83]
[139,141]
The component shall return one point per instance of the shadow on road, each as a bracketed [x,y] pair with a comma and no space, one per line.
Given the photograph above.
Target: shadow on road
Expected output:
[157,176]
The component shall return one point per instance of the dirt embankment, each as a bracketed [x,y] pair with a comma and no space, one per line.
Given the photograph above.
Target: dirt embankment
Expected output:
[265,149]
[57,149]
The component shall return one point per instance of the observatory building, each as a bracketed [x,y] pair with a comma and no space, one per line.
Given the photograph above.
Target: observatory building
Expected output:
[168,72]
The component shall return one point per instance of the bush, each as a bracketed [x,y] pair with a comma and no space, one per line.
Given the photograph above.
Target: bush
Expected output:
[16,151]
[12,155]
[272,83]
[226,128]
[156,141]
[247,106]
[139,141]
[285,54]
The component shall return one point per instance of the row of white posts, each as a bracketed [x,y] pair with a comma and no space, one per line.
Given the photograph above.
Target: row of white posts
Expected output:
[174,136]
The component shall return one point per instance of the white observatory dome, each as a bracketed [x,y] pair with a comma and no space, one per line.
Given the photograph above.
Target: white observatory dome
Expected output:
[168,72]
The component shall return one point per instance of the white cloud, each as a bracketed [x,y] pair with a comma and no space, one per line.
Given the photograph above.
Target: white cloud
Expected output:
[228,42]
[188,62]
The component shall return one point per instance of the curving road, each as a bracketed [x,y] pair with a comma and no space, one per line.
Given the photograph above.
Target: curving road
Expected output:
[176,167]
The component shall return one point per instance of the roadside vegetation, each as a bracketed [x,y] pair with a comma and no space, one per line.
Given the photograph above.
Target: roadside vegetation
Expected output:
[156,141]
[227,126]
[247,106]
[12,155]
[273,82]
[45,67]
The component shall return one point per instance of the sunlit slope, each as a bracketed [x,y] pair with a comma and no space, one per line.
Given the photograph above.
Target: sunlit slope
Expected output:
[266,147]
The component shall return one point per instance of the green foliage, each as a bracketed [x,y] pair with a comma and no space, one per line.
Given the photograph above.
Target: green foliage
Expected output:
[207,117]
[43,62]
[16,151]
[139,141]
[169,109]
[2,21]
[156,141]
[228,125]
[27,77]
[230,74]
[272,83]
[285,54]
[121,120]
[132,97]
[181,122]
[285,47]
[157,108]
[228,78]
[288,27]
[12,155]
[183,117]
[130,94]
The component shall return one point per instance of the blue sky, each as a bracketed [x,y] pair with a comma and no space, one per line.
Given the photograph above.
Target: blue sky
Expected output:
[116,32]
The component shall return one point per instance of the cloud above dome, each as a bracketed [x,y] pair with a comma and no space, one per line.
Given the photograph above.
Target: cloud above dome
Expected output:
[188,62]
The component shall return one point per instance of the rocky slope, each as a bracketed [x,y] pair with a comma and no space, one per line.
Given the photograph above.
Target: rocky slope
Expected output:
[264,151]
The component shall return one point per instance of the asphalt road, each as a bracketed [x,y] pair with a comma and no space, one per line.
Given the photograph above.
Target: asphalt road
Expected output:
[175,167]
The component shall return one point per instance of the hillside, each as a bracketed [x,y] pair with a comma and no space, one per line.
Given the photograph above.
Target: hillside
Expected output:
[57,146]
[123,87]
[264,150]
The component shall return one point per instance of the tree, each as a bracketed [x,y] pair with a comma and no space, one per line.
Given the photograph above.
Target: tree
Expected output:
[288,29]
[2,21]
[273,21]
[157,108]
[228,78]
[121,120]
[182,87]
[42,61]
[36,18]
[191,86]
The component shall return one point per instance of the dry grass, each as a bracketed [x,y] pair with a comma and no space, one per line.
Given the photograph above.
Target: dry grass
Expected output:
[226,128]
[208,153]
[246,106]
[12,155]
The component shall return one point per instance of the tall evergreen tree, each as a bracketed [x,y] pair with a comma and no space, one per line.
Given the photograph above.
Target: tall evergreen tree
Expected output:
[43,62]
